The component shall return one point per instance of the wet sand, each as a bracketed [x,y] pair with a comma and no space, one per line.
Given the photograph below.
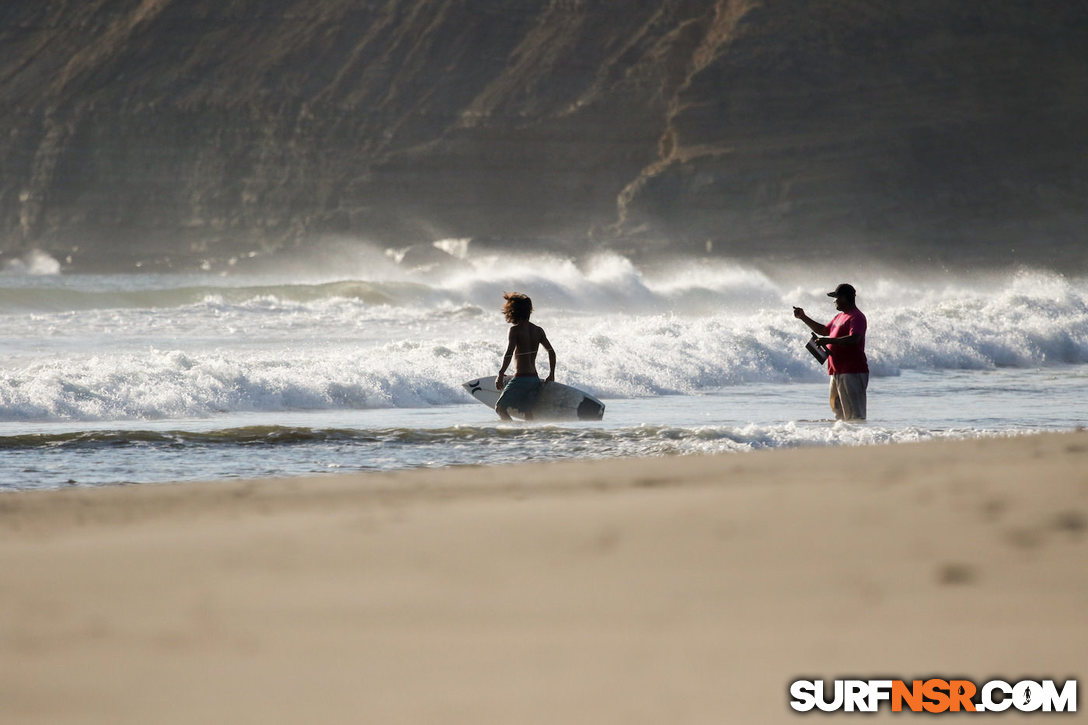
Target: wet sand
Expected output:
[666,590]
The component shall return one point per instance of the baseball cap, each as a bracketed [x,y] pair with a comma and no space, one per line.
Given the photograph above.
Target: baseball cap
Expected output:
[844,290]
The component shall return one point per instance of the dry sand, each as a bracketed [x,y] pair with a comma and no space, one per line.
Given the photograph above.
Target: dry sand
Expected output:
[667,590]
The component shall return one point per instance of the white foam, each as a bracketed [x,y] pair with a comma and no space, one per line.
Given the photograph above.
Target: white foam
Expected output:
[160,347]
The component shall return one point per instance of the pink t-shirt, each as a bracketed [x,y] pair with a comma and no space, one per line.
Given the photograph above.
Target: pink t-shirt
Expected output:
[847,358]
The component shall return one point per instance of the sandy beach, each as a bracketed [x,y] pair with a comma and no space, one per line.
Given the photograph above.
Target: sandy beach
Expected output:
[662,590]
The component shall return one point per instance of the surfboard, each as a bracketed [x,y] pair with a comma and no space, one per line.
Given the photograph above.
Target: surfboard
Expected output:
[555,402]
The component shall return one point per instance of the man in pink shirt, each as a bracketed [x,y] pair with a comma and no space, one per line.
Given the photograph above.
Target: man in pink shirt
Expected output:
[844,338]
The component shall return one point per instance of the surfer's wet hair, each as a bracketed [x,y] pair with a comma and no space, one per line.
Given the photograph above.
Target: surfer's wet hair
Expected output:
[518,307]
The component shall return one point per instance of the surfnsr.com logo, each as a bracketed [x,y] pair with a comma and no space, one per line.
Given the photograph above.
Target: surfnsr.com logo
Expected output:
[933,696]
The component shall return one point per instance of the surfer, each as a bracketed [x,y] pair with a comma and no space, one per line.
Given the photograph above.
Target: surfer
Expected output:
[525,340]
[847,365]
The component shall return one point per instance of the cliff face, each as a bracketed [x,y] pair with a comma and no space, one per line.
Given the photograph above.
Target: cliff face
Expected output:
[927,125]
[138,130]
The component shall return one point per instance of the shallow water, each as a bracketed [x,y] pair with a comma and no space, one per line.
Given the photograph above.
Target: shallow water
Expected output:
[913,406]
[111,379]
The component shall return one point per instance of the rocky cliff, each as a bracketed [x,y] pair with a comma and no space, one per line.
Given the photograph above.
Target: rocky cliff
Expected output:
[181,130]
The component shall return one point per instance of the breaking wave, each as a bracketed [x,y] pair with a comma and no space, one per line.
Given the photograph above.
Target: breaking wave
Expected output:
[160,347]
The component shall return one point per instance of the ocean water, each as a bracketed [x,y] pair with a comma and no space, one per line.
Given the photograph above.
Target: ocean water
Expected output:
[142,378]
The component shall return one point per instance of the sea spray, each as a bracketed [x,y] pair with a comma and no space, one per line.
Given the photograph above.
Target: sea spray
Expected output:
[156,347]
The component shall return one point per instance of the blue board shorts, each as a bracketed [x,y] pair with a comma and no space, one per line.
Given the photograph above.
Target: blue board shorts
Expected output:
[520,394]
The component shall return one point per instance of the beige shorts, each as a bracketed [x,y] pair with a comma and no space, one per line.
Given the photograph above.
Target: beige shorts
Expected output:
[848,395]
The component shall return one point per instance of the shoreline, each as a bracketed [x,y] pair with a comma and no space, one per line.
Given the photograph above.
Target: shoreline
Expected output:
[683,589]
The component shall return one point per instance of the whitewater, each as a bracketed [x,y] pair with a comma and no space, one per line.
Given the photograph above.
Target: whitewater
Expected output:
[139,378]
